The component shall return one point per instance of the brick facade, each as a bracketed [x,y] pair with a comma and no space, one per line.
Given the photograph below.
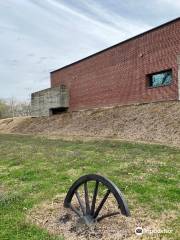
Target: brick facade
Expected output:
[118,75]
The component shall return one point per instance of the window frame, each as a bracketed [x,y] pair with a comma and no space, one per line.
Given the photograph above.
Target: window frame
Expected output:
[149,78]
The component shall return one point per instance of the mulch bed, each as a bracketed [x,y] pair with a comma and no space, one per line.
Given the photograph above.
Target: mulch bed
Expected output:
[53,217]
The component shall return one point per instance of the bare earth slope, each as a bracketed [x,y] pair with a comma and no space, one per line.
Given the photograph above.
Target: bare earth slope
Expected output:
[155,122]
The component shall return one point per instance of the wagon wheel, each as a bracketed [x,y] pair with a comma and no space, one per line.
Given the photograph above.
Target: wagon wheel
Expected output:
[87,209]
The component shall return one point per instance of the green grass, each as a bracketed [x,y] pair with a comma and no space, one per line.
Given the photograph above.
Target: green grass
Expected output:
[36,169]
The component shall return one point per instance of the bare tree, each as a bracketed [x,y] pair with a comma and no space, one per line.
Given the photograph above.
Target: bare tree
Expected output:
[3,109]
[13,108]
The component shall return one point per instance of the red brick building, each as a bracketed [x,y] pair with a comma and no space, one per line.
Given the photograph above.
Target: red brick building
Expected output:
[138,70]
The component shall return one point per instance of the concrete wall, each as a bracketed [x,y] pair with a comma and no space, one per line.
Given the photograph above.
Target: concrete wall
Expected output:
[118,75]
[43,101]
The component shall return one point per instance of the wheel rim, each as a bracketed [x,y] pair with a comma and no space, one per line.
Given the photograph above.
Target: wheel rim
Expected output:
[88,210]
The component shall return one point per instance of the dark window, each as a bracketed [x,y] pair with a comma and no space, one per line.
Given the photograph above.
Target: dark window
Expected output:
[54,111]
[160,79]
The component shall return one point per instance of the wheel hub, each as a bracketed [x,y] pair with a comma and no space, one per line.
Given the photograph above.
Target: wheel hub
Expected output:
[87,220]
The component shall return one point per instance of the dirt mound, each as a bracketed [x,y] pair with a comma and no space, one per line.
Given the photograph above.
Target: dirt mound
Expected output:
[64,222]
[7,125]
[154,122]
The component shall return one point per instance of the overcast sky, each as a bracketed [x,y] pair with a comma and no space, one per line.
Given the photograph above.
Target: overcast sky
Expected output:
[38,36]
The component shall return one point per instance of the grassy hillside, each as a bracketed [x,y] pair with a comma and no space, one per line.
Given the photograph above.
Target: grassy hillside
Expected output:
[36,169]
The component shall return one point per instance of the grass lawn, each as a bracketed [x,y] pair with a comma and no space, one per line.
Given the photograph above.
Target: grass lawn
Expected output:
[35,169]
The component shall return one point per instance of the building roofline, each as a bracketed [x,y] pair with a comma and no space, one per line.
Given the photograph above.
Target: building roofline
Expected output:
[127,40]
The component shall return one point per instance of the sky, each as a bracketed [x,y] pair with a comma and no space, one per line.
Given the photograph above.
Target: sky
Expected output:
[39,36]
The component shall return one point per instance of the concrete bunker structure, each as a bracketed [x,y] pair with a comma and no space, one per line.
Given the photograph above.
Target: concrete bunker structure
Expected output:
[50,101]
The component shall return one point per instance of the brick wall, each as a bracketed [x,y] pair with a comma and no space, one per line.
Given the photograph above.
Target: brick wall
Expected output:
[117,76]
[178,61]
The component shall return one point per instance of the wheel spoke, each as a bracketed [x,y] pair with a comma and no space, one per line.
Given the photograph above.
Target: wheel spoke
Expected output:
[94,198]
[107,215]
[80,203]
[101,203]
[86,198]
[76,211]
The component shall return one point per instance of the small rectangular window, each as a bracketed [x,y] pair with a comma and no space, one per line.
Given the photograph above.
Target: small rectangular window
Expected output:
[160,79]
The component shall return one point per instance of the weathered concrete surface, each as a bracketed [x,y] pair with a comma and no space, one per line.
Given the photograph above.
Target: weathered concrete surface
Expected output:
[43,101]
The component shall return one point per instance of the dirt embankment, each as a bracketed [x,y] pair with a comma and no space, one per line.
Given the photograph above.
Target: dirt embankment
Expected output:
[155,122]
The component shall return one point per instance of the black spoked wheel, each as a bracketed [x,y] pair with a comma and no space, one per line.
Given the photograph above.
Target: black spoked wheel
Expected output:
[91,193]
